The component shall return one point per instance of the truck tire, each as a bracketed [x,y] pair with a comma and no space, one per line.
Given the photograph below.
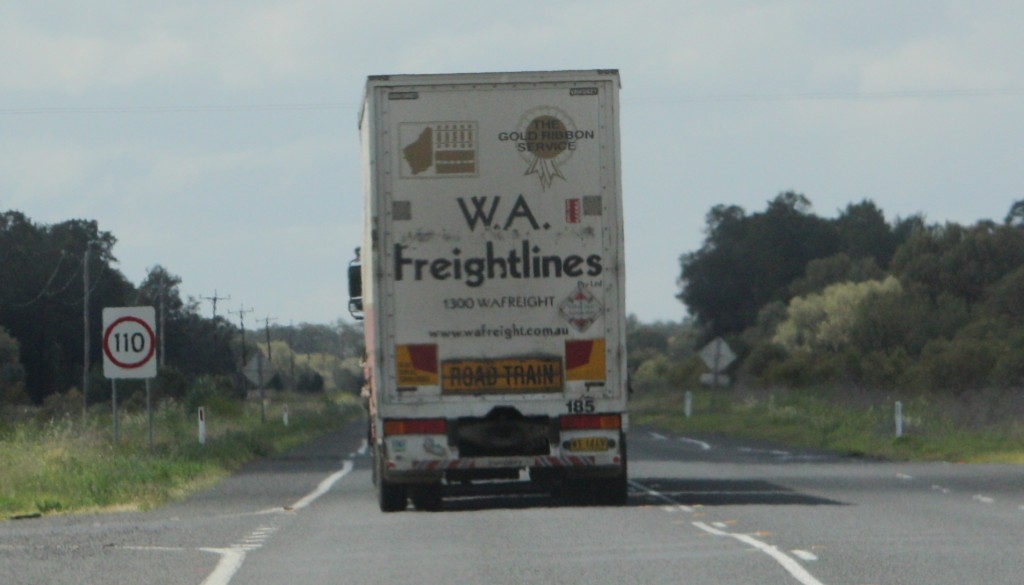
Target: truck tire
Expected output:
[391,497]
[426,497]
[614,491]
[598,491]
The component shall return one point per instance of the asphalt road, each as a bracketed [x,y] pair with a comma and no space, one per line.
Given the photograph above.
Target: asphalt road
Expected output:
[702,510]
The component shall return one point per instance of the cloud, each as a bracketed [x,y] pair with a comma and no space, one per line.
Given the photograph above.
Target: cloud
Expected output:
[191,188]
[45,59]
[38,172]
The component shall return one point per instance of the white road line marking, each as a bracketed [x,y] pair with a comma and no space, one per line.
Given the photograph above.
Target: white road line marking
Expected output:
[904,476]
[710,530]
[658,437]
[939,488]
[752,451]
[983,499]
[364,446]
[673,506]
[804,555]
[721,525]
[325,485]
[231,560]
[704,446]
[787,562]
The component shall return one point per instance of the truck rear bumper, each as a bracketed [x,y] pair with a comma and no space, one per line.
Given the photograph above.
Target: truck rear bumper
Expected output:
[575,461]
[411,465]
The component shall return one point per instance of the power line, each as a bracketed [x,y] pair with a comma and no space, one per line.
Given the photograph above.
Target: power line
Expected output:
[175,109]
[46,287]
[851,96]
[845,96]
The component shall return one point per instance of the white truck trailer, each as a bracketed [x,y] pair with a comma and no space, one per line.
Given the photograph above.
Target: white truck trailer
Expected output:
[491,283]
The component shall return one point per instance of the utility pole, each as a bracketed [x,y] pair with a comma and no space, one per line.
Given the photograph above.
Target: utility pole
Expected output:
[270,352]
[291,351]
[163,346]
[241,318]
[214,300]
[85,327]
[270,358]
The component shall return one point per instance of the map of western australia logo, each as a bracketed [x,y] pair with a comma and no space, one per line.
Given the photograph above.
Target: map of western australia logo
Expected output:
[439,149]
[546,138]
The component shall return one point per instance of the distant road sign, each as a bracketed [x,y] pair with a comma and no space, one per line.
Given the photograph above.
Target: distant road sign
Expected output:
[129,342]
[717,355]
[258,370]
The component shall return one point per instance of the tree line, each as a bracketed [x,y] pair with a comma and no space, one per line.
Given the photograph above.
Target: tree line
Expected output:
[853,300]
[46,273]
[803,299]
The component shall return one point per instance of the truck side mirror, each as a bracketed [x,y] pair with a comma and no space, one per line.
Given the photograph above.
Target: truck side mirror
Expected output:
[355,291]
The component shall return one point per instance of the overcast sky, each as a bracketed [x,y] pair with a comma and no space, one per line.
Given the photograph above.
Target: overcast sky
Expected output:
[218,139]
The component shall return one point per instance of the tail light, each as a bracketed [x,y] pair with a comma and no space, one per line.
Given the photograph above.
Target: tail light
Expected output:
[415,426]
[587,422]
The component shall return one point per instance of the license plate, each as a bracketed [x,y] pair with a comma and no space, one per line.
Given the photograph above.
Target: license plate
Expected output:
[525,375]
[589,444]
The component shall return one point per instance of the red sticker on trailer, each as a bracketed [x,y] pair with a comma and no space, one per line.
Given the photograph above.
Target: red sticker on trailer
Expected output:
[416,364]
[584,359]
[573,209]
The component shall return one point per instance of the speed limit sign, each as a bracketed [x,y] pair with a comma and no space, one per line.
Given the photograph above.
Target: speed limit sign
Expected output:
[129,342]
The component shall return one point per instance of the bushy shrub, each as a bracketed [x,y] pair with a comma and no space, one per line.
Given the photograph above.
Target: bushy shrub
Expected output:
[12,374]
[1003,299]
[171,383]
[825,321]
[651,375]
[882,370]
[1008,371]
[761,358]
[216,394]
[957,366]
[61,405]
[804,369]
[310,382]
[348,381]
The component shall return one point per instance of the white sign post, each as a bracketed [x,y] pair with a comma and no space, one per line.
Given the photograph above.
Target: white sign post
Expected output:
[129,351]
[202,425]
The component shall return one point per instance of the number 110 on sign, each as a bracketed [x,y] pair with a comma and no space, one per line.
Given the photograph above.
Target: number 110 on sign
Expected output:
[125,342]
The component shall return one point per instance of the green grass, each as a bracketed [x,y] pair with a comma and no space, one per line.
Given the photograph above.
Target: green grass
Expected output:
[66,465]
[935,429]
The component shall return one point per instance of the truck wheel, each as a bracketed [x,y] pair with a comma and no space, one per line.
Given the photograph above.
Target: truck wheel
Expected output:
[391,497]
[575,491]
[598,491]
[614,491]
[426,497]
[373,472]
